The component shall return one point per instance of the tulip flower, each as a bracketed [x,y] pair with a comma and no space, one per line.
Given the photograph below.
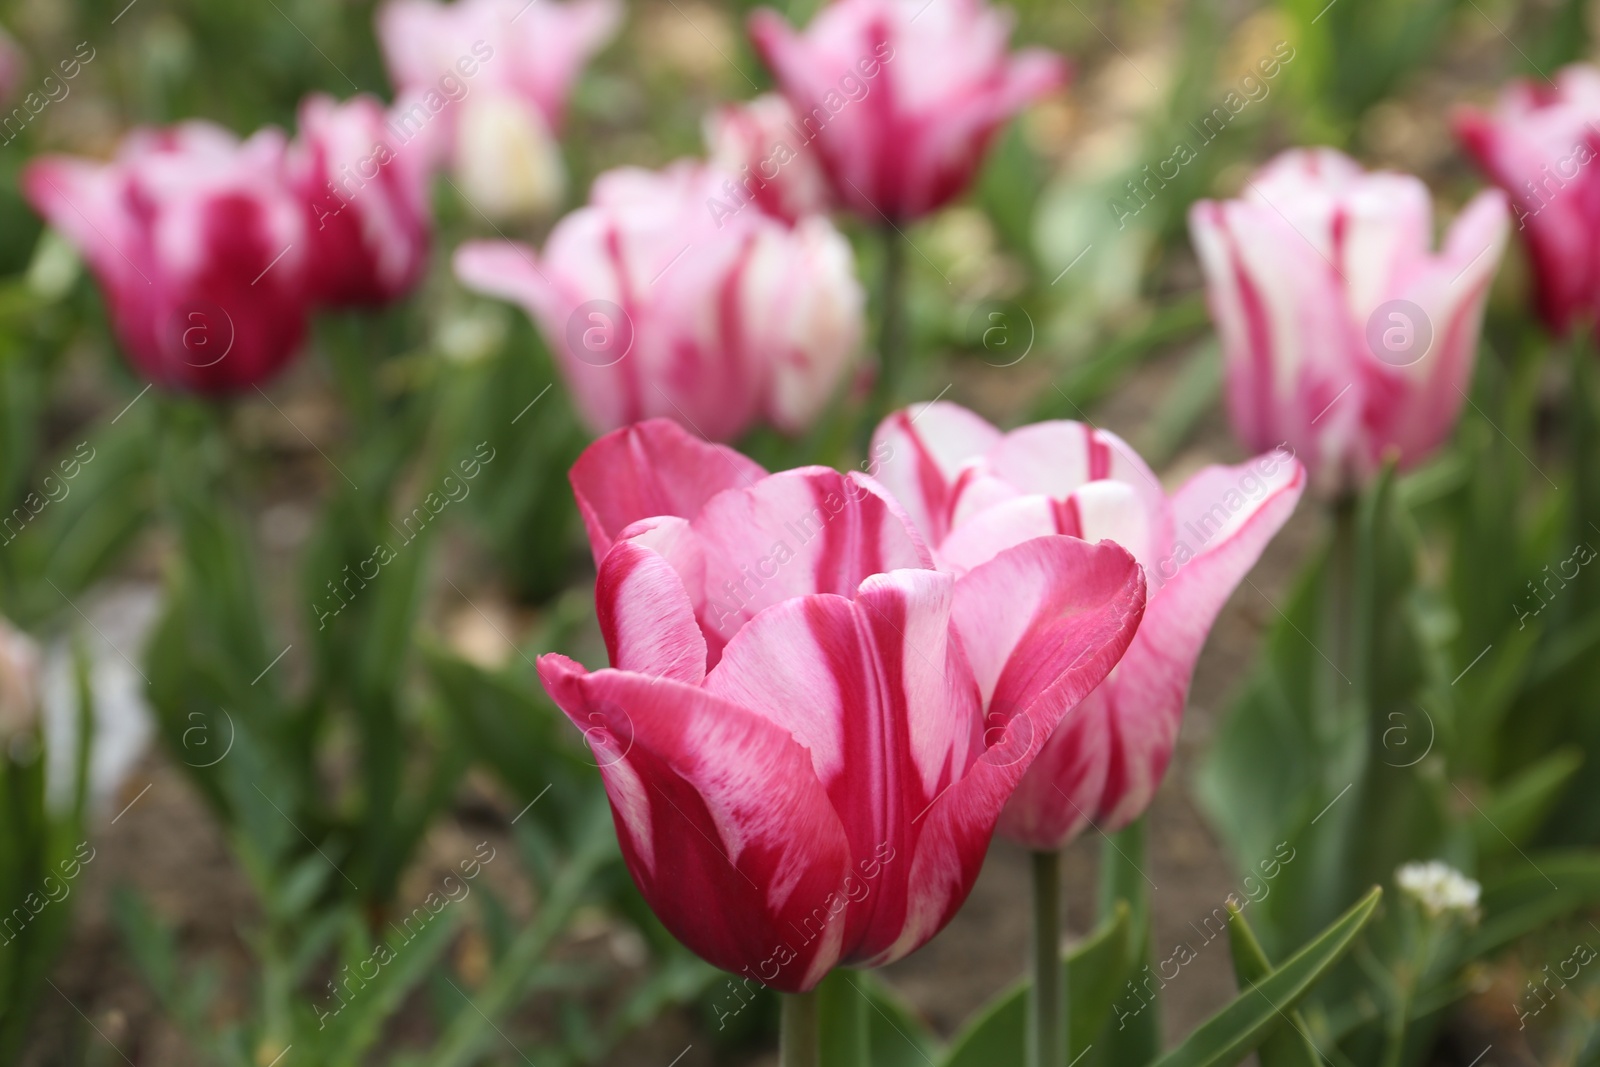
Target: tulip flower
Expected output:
[973,492]
[761,141]
[976,494]
[660,299]
[807,732]
[497,73]
[900,98]
[1539,145]
[367,197]
[1344,335]
[198,244]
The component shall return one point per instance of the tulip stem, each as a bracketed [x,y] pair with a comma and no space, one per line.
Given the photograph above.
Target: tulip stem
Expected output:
[799,1044]
[1047,1014]
[891,323]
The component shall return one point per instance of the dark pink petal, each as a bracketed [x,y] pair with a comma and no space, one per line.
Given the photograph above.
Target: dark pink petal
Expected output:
[650,469]
[723,825]
[919,452]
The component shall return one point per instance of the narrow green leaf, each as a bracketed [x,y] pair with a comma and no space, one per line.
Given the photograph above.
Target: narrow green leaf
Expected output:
[1519,805]
[1287,1046]
[1241,1026]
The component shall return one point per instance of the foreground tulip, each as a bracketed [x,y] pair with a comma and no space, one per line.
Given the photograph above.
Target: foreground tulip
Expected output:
[657,303]
[367,198]
[1344,336]
[761,142]
[199,247]
[497,74]
[976,494]
[1539,145]
[901,97]
[808,732]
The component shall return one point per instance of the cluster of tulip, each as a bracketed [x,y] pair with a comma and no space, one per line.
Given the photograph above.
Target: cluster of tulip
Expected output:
[827,692]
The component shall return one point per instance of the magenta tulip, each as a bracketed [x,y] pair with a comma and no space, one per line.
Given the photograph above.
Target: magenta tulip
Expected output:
[975,494]
[1344,336]
[367,197]
[658,299]
[900,98]
[1539,145]
[807,732]
[199,246]
[760,142]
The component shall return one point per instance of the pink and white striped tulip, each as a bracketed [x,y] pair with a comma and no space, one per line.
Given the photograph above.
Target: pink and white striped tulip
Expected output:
[762,143]
[975,494]
[199,246]
[807,732]
[1539,145]
[901,97]
[367,198]
[1344,335]
[656,302]
[498,74]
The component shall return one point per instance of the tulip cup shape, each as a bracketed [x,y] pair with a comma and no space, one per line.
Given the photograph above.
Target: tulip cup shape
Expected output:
[366,193]
[199,246]
[976,494]
[1539,145]
[1344,336]
[807,732]
[657,299]
[497,75]
[762,143]
[900,98]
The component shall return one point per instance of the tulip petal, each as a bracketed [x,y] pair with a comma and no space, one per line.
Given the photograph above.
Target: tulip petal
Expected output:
[918,453]
[723,825]
[650,469]
[803,531]
[887,708]
[646,614]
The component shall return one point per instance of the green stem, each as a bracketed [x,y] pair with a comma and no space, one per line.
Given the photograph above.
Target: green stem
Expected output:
[1342,578]
[892,323]
[798,1033]
[1047,994]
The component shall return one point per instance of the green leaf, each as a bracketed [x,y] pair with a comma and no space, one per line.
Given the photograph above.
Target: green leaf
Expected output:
[1122,879]
[1286,1046]
[864,1024]
[1233,1032]
[1095,970]
[1518,806]
[1541,888]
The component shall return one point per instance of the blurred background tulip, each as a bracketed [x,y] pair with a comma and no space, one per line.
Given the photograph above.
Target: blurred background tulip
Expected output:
[901,97]
[1345,337]
[667,296]
[366,194]
[498,74]
[762,143]
[199,247]
[1539,144]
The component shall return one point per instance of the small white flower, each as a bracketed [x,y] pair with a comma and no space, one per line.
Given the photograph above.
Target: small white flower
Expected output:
[1440,889]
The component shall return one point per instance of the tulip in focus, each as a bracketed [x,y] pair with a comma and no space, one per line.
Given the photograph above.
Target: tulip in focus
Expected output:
[901,97]
[807,732]
[763,143]
[198,244]
[367,197]
[656,303]
[1539,145]
[497,74]
[1344,335]
[975,493]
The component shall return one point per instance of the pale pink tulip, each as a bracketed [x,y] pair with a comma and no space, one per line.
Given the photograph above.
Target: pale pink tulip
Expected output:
[762,143]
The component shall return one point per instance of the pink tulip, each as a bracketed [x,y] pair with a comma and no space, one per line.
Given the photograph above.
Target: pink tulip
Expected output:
[976,494]
[367,195]
[901,97]
[497,74]
[1538,146]
[762,143]
[1344,336]
[793,731]
[658,299]
[199,247]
